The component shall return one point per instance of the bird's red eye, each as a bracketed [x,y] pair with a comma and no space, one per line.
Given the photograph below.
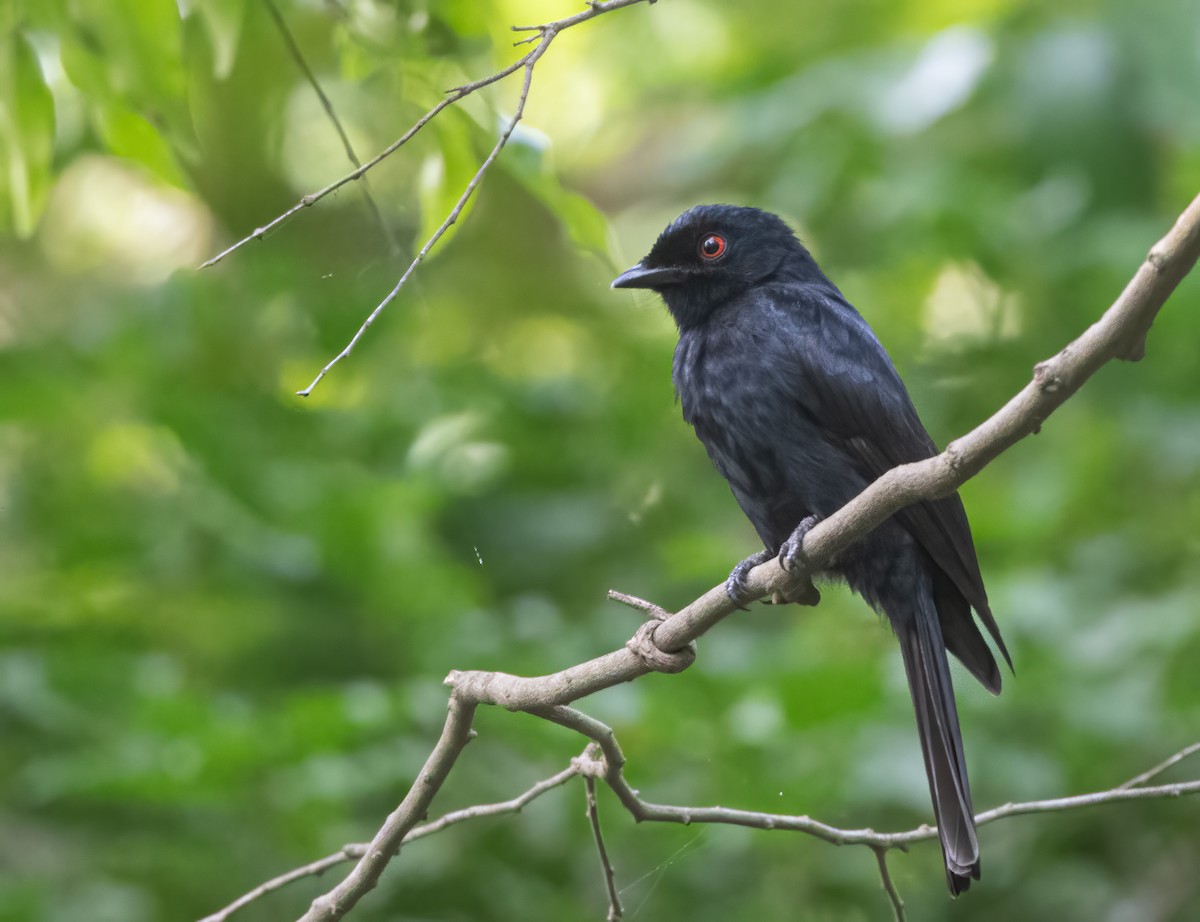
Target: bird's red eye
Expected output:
[712,246]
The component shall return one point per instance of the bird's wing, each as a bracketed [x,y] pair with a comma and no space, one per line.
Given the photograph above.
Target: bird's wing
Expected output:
[848,385]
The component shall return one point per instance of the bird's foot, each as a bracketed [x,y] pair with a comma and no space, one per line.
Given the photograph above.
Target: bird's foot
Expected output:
[736,587]
[791,556]
[791,552]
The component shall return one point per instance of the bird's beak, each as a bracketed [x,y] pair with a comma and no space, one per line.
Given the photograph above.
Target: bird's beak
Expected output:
[643,277]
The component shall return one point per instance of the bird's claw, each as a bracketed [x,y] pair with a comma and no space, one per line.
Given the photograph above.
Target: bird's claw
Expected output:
[736,588]
[791,552]
[791,556]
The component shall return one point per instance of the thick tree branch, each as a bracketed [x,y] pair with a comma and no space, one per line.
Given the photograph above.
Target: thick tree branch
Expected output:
[456,734]
[1119,333]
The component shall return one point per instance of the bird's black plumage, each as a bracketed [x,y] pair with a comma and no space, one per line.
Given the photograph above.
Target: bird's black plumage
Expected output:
[800,408]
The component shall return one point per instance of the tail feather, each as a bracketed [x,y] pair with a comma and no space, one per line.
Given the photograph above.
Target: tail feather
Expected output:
[962,637]
[941,743]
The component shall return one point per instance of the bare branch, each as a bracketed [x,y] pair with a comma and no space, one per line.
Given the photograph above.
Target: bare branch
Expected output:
[312,198]
[615,910]
[603,758]
[455,735]
[315,869]
[356,850]
[646,811]
[454,95]
[1150,774]
[612,765]
[545,35]
[889,887]
[1054,805]
[298,56]
[515,805]
[649,609]
[445,225]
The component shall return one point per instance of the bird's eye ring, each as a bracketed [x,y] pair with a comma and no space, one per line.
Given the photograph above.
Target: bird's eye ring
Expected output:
[712,246]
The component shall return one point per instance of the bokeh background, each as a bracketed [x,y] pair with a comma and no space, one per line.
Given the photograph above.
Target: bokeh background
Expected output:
[226,611]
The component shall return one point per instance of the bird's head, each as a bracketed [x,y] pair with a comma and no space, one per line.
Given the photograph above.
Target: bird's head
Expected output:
[712,253]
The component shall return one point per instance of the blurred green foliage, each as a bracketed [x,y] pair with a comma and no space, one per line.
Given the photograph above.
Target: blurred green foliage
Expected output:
[225,612]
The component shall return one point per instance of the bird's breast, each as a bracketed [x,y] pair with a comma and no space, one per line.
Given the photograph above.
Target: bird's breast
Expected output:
[746,415]
[731,380]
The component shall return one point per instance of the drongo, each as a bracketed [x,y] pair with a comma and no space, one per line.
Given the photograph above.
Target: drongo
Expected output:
[800,408]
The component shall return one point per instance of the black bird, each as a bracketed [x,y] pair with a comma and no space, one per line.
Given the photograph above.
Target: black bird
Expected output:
[800,408]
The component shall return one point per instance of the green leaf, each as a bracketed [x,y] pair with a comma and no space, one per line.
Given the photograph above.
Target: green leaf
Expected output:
[130,54]
[222,20]
[527,159]
[26,135]
[130,135]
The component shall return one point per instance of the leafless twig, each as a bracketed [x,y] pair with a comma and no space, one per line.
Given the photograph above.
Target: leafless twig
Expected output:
[603,758]
[879,842]
[314,869]
[889,887]
[545,35]
[356,850]
[1152,773]
[298,56]
[444,226]
[649,609]
[647,811]
[615,911]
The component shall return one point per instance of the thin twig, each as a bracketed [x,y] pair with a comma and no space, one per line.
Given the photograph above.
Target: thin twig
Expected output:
[615,910]
[298,56]
[662,813]
[545,36]
[315,869]
[356,850]
[1149,774]
[879,842]
[312,198]
[604,758]
[649,609]
[646,811]
[445,225]
[515,805]
[889,887]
